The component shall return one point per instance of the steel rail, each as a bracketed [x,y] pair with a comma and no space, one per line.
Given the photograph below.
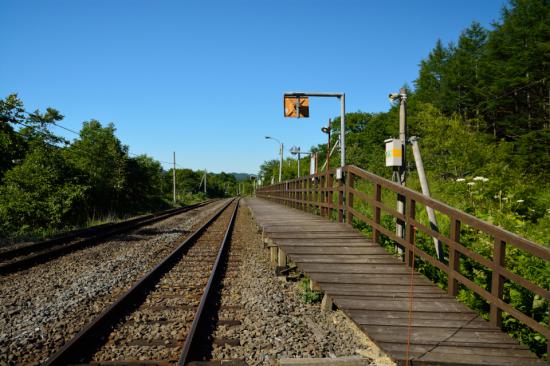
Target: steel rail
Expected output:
[53,248]
[190,340]
[83,343]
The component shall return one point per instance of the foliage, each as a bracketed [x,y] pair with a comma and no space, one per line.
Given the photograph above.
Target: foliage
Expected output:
[44,191]
[309,296]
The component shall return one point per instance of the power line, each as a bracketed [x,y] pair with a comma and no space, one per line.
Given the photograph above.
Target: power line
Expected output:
[78,134]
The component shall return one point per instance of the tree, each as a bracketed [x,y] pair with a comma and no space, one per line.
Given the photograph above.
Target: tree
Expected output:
[144,177]
[44,191]
[431,79]
[100,155]
[18,128]
[463,91]
[519,54]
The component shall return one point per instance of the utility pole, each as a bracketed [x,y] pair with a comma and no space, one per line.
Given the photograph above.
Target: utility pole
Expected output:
[204,181]
[174,180]
[281,165]
[400,172]
[299,165]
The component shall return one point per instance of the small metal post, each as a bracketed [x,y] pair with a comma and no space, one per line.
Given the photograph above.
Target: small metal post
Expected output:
[343,130]
[298,163]
[281,165]
[426,192]
[174,180]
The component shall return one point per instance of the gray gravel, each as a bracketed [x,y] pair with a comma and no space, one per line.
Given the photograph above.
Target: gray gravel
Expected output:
[43,307]
[276,323]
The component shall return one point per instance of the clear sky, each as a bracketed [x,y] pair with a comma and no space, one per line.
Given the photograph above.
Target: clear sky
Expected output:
[206,78]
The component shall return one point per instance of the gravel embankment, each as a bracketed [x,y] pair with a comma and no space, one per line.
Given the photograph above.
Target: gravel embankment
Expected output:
[43,307]
[275,322]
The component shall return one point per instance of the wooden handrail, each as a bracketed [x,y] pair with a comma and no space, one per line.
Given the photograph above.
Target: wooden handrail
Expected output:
[325,195]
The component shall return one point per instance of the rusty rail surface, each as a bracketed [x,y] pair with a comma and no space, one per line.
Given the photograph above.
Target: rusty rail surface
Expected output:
[343,199]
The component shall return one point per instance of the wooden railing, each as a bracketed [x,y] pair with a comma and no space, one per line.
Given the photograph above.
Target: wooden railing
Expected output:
[346,200]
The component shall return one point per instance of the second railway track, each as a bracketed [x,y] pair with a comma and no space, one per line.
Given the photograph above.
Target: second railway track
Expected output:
[162,319]
[25,256]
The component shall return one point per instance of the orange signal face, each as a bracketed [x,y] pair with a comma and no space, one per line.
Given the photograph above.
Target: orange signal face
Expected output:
[296,107]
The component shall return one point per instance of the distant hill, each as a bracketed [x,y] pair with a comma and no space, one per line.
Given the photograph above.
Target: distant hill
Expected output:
[241,176]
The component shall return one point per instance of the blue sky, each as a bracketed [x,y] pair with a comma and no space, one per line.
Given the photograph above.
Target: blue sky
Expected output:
[206,78]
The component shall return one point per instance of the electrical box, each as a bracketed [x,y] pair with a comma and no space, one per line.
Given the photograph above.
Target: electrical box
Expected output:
[313,164]
[394,152]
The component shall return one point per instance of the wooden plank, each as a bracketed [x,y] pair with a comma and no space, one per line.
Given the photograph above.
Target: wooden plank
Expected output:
[442,305]
[321,244]
[321,227]
[335,250]
[393,314]
[351,242]
[314,235]
[372,319]
[358,278]
[512,352]
[389,290]
[464,359]
[417,334]
[352,267]
[319,258]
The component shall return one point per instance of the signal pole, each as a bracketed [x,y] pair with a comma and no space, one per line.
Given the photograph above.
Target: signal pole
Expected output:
[402,170]
[174,180]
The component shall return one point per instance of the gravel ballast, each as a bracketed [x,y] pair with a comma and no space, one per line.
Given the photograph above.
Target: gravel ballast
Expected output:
[43,307]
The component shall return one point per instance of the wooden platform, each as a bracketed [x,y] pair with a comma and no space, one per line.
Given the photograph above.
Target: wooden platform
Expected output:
[372,288]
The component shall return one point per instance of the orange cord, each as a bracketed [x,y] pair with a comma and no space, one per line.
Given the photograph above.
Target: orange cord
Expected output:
[411,294]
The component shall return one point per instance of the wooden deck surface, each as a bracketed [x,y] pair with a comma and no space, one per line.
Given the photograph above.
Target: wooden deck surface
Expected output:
[372,287]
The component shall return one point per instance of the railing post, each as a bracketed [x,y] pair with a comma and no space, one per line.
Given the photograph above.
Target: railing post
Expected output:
[350,183]
[303,185]
[454,258]
[340,201]
[322,194]
[377,213]
[330,195]
[497,281]
[410,231]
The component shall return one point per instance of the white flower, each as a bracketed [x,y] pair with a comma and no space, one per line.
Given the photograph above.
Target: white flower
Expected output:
[505,198]
[485,179]
[520,201]
[471,183]
[479,178]
[460,179]
[496,196]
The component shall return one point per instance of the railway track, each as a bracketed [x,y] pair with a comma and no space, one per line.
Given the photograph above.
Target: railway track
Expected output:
[25,256]
[170,315]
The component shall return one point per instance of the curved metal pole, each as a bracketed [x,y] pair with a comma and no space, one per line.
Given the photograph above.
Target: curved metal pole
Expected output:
[281,157]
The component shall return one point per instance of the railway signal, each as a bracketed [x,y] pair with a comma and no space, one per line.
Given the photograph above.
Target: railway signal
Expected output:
[296,107]
[296,104]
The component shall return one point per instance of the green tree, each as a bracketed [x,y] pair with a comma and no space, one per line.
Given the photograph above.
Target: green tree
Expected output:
[18,128]
[519,54]
[44,191]
[431,80]
[144,177]
[103,159]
